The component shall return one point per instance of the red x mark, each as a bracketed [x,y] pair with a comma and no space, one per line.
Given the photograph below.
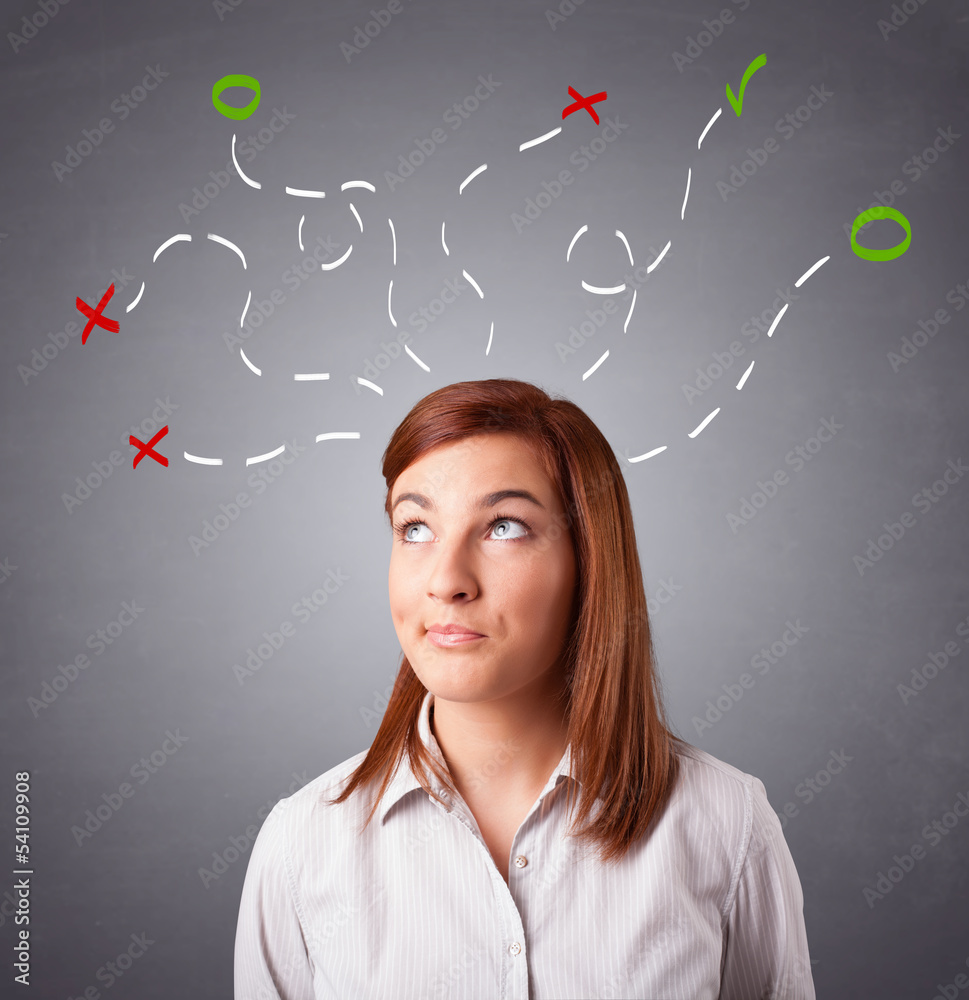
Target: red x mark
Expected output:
[95,315]
[584,102]
[147,449]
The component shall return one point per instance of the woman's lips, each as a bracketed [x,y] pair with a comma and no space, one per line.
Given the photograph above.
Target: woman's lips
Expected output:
[445,640]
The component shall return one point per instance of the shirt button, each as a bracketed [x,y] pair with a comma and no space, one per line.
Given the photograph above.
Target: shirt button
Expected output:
[515,948]
[521,861]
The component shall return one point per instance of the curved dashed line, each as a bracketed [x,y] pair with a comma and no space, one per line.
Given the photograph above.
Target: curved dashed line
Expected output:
[491,337]
[541,138]
[649,454]
[595,366]
[686,196]
[629,251]
[311,376]
[663,252]
[239,171]
[807,274]
[299,234]
[357,216]
[597,290]
[390,312]
[474,173]
[575,239]
[625,326]
[305,193]
[201,461]
[709,126]
[230,245]
[336,263]
[137,299]
[358,184]
[337,435]
[416,358]
[267,457]
[393,236]
[245,309]
[169,242]
[252,367]
[743,378]
[473,283]
[696,430]
[777,320]
[443,244]
[370,385]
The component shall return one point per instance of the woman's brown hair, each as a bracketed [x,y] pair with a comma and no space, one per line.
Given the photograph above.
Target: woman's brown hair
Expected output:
[622,748]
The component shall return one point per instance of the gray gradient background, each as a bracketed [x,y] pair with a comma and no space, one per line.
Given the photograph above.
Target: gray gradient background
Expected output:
[317,700]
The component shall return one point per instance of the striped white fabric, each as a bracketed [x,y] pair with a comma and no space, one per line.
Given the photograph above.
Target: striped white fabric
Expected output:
[708,906]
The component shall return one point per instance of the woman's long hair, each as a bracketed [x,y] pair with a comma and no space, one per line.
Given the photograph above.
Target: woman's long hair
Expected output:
[621,746]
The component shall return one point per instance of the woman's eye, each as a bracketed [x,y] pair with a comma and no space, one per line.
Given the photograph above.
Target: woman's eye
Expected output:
[504,528]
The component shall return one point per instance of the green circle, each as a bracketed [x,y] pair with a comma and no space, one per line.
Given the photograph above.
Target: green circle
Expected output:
[872,215]
[236,80]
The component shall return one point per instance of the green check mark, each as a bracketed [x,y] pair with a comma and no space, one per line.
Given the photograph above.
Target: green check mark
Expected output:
[737,103]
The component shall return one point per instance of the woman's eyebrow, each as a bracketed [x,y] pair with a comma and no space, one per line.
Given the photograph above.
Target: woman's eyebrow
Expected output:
[488,500]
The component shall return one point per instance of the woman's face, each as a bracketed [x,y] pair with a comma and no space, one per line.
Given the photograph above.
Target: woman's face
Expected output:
[467,562]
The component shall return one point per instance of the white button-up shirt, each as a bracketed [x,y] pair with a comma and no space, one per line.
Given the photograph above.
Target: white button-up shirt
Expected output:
[708,905]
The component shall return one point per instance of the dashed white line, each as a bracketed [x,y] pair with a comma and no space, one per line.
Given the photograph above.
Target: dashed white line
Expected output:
[235,160]
[230,245]
[541,138]
[474,173]
[358,184]
[629,251]
[336,263]
[305,193]
[568,253]
[169,242]
[473,283]
[137,299]
[597,290]
[267,456]
[689,177]
[807,274]
[709,126]
[202,461]
[595,366]
[703,423]
[416,358]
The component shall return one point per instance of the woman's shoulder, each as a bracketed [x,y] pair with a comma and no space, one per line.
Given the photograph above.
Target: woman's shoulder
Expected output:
[311,803]
[728,796]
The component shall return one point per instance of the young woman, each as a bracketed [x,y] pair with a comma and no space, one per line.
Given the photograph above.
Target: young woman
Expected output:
[439,861]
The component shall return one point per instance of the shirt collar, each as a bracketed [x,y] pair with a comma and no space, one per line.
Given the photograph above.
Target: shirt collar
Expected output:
[404,781]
